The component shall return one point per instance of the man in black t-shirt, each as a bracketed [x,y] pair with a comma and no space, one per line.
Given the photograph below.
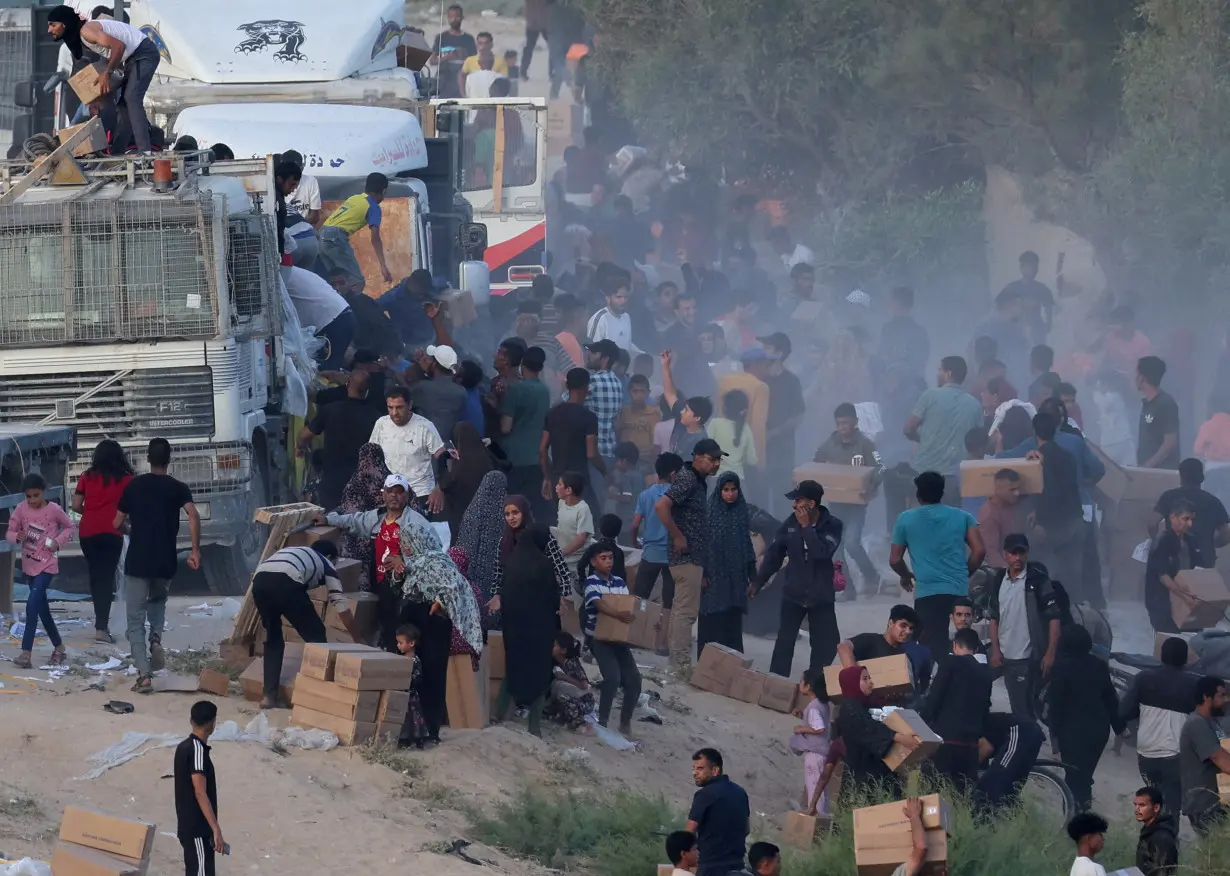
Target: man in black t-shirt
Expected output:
[720,816]
[149,508]
[570,441]
[196,795]
[902,624]
[346,425]
[449,51]
[1157,445]
[1211,527]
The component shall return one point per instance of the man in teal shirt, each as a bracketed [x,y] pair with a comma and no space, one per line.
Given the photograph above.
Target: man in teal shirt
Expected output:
[939,423]
[945,549]
[522,414]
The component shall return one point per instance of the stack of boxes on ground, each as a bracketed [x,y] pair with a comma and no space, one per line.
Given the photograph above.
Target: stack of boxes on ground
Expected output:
[883,839]
[362,605]
[94,844]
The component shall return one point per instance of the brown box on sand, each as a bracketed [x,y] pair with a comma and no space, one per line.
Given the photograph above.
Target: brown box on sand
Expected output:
[214,682]
[908,721]
[70,859]
[333,699]
[1212,599]
[377,670]
[799,829]
[747,686]
[843,484]
[125,837]
[890,817]
[609,629]
[348,732]
[319,660]
[779,693]
[978,476]
[716,667]
[253,679]
[466,693]
[890,675]
[392,707]
[495,654]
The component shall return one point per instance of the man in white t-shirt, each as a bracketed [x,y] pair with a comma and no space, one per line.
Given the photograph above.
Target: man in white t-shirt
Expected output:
[411,448]
[320,306]
[305,199]
[1088,831]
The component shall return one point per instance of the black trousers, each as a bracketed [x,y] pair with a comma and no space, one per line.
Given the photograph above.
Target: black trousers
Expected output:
[933,613]
[822,627]
[618,668]
[1082,750]
[198,856]
[276,596]
[436,636]
[102,557]
[647,576]
[1091,569]
[721,627]
[1022,679]
[957,763]
[527,54]
[1163,773]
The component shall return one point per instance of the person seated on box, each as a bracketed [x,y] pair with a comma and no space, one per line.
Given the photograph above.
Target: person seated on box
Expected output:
[1174,550]
[866,740]
[571,698]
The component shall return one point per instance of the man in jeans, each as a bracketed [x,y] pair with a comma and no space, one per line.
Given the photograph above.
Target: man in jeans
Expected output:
[654,561]
[1025,622]
[683,510]
[150,507]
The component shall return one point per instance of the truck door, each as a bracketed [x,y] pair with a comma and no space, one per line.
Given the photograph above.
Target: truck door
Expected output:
[502,174]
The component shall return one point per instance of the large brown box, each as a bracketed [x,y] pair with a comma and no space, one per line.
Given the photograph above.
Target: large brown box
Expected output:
[211,681]
[495,654]
[747,686]
[890,817]
[609,629]
[908,721]
[644,630]
[890,675]
[978,476]
[1130,482]
[350,573]
[378,670]
[96,142]
[466,693]
[333,699]
[84,82]
[1212,599]
[799,829]
[125,837]
[843,484]
[392,706]
[779,694]
[363,607]
[310,536]
[880,854]
[716,667]
[348,732]
[252,682]
[70,859]
[319,660]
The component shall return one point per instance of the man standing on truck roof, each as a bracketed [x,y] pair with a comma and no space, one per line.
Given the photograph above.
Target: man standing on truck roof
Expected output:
[336,254]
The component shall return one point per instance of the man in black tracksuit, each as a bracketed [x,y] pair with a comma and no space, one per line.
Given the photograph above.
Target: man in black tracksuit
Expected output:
[956,707]
[809,539]
[1161,699]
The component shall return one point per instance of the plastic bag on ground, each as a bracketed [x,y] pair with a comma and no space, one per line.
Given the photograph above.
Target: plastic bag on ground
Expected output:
[25,867]
[610,738]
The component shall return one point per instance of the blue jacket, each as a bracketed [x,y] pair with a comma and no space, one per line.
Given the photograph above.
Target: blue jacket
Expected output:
[1089,468]
[407,314]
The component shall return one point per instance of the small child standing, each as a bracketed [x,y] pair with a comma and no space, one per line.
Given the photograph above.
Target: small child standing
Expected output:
[575,528]
[615,659]
[42,529]
[811,740]
[414,727]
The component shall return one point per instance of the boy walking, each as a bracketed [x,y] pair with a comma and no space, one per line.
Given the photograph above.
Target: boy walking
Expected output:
[196,795]
[356,212]
[615,659]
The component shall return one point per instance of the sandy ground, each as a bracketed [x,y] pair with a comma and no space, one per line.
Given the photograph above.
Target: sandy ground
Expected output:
[372,815]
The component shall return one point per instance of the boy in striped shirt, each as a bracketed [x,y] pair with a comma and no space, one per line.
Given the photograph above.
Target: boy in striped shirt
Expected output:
[615,659]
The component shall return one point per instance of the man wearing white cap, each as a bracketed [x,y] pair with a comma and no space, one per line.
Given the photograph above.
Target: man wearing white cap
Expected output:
[383,526]
[438,397]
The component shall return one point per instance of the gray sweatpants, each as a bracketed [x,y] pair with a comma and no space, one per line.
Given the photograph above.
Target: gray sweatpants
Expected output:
[145,599]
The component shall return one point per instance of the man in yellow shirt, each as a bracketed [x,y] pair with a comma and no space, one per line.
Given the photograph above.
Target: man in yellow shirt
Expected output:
[356,212]
[486,44]
[751,380]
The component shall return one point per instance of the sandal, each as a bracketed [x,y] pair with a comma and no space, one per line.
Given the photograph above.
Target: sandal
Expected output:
[144,685]
[22,661]
[58,656]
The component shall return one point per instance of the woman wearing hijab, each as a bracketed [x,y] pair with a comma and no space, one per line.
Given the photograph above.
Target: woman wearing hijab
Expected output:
[517,521]
[437,598]
[866,740]
[731,568]
[480,535]
[1082,710]
[363,493]
[461,481]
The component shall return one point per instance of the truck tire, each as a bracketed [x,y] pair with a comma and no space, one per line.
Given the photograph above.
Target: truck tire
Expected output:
[228,569]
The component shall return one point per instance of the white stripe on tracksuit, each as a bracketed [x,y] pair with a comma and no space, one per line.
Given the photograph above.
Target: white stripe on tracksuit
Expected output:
[200,856]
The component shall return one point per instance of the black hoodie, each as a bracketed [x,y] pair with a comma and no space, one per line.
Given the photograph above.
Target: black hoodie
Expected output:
[1157,850]
[808,577]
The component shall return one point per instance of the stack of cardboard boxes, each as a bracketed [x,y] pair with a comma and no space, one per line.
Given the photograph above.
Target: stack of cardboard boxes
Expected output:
[353,691]
[883,840]
[94,844]
[725,671]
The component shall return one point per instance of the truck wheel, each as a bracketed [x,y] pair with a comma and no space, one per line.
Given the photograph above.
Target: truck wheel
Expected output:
[228,570]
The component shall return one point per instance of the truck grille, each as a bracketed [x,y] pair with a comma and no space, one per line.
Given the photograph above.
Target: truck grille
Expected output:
[207,469]
[151,403]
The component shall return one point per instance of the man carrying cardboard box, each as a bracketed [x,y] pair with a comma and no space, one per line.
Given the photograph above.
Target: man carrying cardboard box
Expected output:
[1211,525]
[196,795]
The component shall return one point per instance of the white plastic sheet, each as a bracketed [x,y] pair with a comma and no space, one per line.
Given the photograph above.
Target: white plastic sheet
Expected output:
[25,867]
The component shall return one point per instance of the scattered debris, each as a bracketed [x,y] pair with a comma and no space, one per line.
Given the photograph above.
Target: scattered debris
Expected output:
[111,663]
[119,707]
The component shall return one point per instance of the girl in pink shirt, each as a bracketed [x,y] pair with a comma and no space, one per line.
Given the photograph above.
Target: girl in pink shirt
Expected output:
[42,529]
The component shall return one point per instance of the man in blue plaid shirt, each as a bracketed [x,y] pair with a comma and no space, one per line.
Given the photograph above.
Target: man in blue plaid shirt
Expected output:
[606,392]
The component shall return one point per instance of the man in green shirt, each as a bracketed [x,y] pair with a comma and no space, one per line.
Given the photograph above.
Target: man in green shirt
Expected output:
[941,418]
[522,415]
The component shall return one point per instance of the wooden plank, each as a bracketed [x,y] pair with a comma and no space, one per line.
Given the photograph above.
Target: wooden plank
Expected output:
[283,520]
[497,166]
[50,163]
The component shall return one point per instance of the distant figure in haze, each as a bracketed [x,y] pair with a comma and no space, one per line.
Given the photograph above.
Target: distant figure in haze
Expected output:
[1038,299]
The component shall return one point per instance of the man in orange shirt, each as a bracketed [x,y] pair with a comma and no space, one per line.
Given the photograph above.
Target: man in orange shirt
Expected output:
[752,380]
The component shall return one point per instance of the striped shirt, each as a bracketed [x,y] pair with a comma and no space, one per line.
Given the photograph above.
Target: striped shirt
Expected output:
[595,588]
[305,566]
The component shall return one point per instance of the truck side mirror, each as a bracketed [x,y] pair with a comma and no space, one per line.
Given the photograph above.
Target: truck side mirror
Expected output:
[24,96]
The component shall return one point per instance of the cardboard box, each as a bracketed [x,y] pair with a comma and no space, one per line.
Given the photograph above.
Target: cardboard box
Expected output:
[310,536]
[978,476]
[779,693]
[881,854]
[644,632]
[1223,788]
[609,629]
[898,758]
[320,660]
[799,829]
[392,705]
[96,142]
[212,681]
[1131,482]
[1160,638]
[373,670]
[350,573]
[843,484]
[716,667]
[332,699]
[363,607]
[466,693]
[84,82]
[412,51]
[70,859]
[237,657]
[890,817]
[747,686]
[1212,599]
[495,654]
[890,675]
[252,682]
[348,732]
[125,837]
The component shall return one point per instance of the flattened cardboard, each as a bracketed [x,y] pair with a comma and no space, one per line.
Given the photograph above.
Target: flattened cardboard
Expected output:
[978,476]
[843,484]
[70,859]
[779,693]
[747,686]
[378,670]
[319,660]
[890,675]
[125,837]
[1210,591]
[891,818]
[347,732]
[898,758]
[333,699]
[609,629]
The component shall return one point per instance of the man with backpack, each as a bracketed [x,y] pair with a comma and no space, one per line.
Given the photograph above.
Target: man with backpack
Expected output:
[1026,611]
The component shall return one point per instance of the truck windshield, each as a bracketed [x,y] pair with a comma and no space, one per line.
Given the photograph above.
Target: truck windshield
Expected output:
[105,270]
[500,152]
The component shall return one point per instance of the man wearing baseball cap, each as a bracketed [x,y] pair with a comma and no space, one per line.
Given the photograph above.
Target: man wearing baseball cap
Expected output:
[751,380]
[383,527]
[683,510]
[809,539]
[439,398]
[606,393]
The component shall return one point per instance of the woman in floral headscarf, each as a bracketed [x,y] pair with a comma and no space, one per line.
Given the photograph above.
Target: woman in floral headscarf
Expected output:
[458,644]
[437,598]
[362,493]
[480,534]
